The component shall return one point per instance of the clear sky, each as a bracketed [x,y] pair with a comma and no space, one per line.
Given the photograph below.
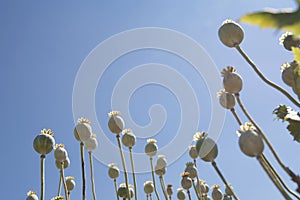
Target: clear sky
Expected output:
[43,45]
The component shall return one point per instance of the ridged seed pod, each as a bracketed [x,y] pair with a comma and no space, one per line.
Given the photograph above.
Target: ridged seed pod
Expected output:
[31,195]
[83,129]
[60,153]
[148,187]
[186,181]
[193,152]
[43,143]
[151,147]
[230,33]
[160,171]
[206,147]
[191,169]
[181,194]
[66,163]
[91,143]
[122,191]
[70,182]
[115,123]
[216,193]
[128,138]
[161,162]
[113,171]
[226,99]
[232,82]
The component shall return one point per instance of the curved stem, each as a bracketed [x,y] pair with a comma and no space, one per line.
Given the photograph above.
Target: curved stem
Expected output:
[214,164]
[267,81]
[124,165]
[133,173]
[269,165]
[236,116]
[163,187]
[153,178]
[116,188]
[189,194]
[82,169]
[92,175]
[62,176]
[273,178]
[198,197]
[59,186]
[42,177]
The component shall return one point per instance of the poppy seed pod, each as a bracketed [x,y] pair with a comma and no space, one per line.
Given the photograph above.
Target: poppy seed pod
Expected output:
[186,181]
[148,187]
[206,147]
[60,153]
[122,191]
[161,162]
[43,143]
[216,193]
[202,187]
[232,81]
[113,171]
[191,169]
[169,189]
[160,171]
[128,138]
[226,99]
[288,74]
[151,147]
[289,40]
[91,143]
[181,194]
[230,33]
[115,123]
[31,195]
[83,129]
[65,163]
[70,182]
[193,152]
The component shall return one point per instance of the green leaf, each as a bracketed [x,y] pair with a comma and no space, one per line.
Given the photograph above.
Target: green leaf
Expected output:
[278,19]
[296,52]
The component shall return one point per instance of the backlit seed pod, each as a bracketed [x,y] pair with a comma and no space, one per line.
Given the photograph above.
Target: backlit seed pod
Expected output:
[161,162]
[226,99]
[128,138]
[60,153]
[43,143]
[31,195]
[232,82]
[216,193]
[181,194]
[193,152]
[115,123]
[228,191]
[91,143]
[83,129]
[230,33]
[151,147]
[191,169]
[148,187]
[160,171]
[113,171]
[122,191]
[65,163]
[70,182]
[289,40]
[202,186]
[186,181]
[288,74]
[206,147]
[58,198]
[250,142]
[169,189]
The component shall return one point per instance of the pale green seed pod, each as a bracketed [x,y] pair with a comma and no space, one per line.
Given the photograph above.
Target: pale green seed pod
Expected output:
[115,123]
[170,189]
[113,171]
[151,147]
[193,152]
[148,187]
[226,99]
[83,129]
[43,143]
[91,143]
[128,138]
[230,33]
[216,193]
[191,169]
[289,40]
[206,147]
[202,187]
[31,195]
[122,191]
[288,74]
[181,194]
[65,163]
[232,81]
[60,153]
[161,162]
[70,182]
[160,171]
[186,181]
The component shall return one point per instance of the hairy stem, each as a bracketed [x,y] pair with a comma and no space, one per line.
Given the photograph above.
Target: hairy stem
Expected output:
[133,173]
[153,178]
[42,177]
[214,164]
[267,81]
[82,169]
[92,175]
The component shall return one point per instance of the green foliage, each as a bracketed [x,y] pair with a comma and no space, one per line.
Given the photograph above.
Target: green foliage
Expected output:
[293,117]
[278,19]
[296,52]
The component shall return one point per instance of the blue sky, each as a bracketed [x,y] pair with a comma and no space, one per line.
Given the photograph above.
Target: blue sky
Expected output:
[43,45]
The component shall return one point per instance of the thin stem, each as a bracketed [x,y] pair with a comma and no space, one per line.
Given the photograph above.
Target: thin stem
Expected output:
[189,194]
[133,174]
[92,175]
[62,176]
[198,182]
[150,196]
[124,166]
[82,169]
[153,178]
[273,178]
[260,132]
[267,81]
[163,187]
[236,116]
[147,196]
[42,176]
[269,165]
[59,186]
[198,197]
[116,188]
[214,164]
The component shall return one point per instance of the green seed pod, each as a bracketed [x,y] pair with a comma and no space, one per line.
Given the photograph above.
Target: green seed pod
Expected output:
[202,187]
[31,195]
[206,147]
[60,153]
[83,130]
[148,187]
[70,182]
[169,189]
[230,33]
[113,171]
[232,82]
[180,194]
[122,191]
[226,99]
[191,169]
[115,123]
[91,143]
[289,40]
[160,171]
[193,152]
[216,193]
[151,147]
[128,138]
[161,162]
[43,143]
[65,163]
[186,181]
